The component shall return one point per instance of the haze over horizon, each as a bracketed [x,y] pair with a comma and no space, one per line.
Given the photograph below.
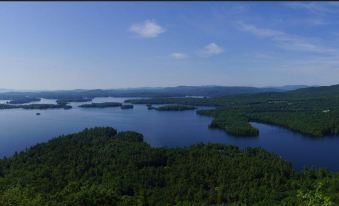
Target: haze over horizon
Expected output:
[107,45]
[282,87]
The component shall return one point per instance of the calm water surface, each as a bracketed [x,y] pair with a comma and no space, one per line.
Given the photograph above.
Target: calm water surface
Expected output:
[20,129]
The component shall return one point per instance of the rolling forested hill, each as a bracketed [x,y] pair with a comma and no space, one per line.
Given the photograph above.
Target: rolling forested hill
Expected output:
[102,167]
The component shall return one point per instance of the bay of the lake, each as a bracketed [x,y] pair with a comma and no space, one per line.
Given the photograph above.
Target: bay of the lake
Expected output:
[20,129]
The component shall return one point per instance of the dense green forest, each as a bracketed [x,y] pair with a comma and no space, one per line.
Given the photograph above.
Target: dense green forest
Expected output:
[312,123]
[316,123]
[233,123]
[102,167]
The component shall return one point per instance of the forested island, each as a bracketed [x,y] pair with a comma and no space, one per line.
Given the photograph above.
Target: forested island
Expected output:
[65,99]
[101,105]
[175,107]
[35,106]
[107,105]
[24,100]
[100,166]
[127,106]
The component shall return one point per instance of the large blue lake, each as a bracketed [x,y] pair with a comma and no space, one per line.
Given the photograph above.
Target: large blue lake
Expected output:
[20,129]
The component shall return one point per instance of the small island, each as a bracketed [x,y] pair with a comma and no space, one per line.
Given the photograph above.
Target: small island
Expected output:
[24,100]
[176,107]
[127,106]
[149,106]
[66,100]
[45,106]
[7,106]
[101,105]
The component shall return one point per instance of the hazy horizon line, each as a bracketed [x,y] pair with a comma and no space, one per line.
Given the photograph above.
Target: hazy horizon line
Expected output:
[156,87]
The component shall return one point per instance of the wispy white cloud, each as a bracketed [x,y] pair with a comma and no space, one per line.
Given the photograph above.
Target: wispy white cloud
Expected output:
[313,7]
[147,29]
[178,55]
[211,49]
[263,55]
[285,40]
[316,22]
[325,69]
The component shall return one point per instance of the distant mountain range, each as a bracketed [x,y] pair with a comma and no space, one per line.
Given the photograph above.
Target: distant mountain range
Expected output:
[211,91]
[5,90]
[316,91]
[292,87]
[179,91]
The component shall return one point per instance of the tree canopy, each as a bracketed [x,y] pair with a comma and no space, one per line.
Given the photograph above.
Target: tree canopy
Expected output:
[100,166]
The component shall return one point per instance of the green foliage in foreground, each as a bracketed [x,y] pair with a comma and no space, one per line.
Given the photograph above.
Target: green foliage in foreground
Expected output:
[100,167]
[130,136]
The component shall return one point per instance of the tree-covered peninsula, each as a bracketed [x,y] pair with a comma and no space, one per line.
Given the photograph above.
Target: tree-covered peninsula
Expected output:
[102,167]
[231,122]
[311,111]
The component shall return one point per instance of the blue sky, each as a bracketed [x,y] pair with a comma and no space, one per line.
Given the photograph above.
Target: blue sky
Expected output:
[63,45]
